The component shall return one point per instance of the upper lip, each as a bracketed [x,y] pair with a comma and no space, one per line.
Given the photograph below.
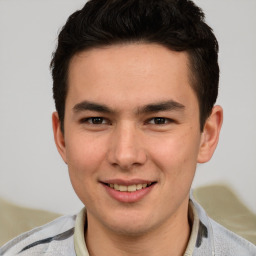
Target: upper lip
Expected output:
[128,182]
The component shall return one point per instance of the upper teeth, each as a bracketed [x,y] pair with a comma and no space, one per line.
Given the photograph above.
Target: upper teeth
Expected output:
[130,188]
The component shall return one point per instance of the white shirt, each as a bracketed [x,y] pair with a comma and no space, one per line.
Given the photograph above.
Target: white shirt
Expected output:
[65,236]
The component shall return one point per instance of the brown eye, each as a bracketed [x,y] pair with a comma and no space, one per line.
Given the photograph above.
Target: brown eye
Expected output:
[96,120]
[158,120]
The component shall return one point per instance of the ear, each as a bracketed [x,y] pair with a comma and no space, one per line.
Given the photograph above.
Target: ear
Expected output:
[210,135]
[58,136]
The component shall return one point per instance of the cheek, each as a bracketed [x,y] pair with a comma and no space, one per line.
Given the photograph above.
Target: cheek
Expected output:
[84,155]
[177,155]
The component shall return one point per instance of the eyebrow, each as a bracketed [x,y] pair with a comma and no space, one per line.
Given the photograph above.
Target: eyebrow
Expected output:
[87,105]
[147,109]
[161,106]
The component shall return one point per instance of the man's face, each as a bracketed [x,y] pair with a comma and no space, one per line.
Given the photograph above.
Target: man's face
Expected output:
[131,120]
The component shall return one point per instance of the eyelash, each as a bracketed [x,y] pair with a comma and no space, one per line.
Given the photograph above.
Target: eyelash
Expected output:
[102,121]
[90,120]
[157,119]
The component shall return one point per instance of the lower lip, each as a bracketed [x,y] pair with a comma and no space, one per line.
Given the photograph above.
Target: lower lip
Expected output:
[128,197]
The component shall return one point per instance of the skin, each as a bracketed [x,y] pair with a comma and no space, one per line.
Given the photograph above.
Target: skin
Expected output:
[134,83]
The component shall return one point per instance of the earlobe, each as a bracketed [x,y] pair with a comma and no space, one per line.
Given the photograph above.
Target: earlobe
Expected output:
[210,135]
[58,136]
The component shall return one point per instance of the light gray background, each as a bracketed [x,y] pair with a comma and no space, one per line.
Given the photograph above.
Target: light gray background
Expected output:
[31,171]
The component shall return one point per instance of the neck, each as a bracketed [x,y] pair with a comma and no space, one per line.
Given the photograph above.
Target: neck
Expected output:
[168,239]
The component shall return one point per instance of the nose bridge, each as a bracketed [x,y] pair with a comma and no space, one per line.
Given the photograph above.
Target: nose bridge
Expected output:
[126,149]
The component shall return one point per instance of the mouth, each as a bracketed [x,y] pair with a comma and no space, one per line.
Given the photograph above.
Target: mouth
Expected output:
[128,191]
[129,188]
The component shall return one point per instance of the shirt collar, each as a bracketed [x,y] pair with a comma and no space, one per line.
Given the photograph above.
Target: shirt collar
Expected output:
[198,240]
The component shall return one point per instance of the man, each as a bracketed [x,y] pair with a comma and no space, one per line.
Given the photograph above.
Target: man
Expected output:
[135,83]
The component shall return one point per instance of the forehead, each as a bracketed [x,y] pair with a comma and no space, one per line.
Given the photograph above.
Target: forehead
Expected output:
[140,56]
[135,72]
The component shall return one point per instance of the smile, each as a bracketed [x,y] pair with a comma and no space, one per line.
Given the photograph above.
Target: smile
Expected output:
[128,191]
[130,188]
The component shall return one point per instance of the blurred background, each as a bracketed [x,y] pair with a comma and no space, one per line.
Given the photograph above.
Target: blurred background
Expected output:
[32,173]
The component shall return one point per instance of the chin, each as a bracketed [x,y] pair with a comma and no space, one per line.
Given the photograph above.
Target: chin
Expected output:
[130,226]
[133,230]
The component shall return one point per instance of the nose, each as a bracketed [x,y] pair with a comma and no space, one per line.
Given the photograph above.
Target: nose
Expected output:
[126,149]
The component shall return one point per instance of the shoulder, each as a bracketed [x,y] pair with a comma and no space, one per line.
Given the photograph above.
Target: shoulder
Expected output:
[220,240]
[228,243]
[54,237]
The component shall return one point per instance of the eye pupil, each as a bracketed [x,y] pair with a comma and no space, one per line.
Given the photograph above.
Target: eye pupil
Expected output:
[159,120]
[97,120]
